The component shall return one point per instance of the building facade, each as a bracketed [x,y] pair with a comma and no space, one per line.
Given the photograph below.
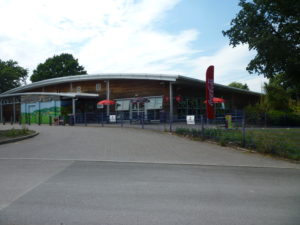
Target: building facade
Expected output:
[172,95]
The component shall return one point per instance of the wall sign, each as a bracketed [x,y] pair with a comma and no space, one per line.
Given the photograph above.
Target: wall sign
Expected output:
[112,118]
[190,119]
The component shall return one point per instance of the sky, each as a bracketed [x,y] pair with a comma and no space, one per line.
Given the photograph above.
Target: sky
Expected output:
[177,37]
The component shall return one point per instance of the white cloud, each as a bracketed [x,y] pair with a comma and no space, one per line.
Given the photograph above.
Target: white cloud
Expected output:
[230,65]
[110,36]
[256,83]
[104,35]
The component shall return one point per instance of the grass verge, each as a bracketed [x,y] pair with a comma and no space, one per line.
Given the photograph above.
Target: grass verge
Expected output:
[283,143]
[13,133]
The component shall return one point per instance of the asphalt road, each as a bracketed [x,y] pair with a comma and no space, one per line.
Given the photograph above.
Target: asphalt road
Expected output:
[64,176]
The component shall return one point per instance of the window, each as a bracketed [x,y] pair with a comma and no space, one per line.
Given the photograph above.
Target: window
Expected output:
[154,103]
[78,89]
[98,87]
[122,105]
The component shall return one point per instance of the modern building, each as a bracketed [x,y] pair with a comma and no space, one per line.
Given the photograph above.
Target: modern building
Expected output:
[173,95]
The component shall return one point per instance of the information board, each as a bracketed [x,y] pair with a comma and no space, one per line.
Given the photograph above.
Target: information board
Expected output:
[190,119]
[112,118]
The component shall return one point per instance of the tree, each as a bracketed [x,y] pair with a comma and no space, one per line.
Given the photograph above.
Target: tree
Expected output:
[272,28]
[277,97]
[281,97]
[11,75]
[239,85]
[57,66]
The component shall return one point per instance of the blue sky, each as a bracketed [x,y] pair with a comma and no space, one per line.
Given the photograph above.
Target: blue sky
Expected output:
[209,17]
[122,36]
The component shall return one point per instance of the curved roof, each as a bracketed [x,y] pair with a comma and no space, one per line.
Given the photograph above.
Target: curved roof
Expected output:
[115,76]
[106,76]
[65,94]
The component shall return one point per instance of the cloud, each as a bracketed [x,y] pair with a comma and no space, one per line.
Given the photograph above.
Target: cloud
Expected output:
[140,51]
[256,83]
[106,36]
[111,36]
[230,63]
[230,66]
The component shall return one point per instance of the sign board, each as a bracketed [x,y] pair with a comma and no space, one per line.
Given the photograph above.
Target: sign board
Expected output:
[112,118]
[210,92]
[190,119]
[100,106]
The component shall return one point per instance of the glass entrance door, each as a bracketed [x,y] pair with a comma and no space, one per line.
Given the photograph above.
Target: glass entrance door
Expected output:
[137,110]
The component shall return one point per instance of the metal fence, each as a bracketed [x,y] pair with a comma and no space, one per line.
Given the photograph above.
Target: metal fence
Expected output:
[149,121]
[162,121]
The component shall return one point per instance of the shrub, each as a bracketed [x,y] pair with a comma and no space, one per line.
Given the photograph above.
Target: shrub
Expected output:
[16,132]
[279,142]
[279,118]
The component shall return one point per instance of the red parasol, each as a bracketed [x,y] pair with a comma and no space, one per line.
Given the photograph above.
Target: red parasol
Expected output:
[106,102]
[216,100]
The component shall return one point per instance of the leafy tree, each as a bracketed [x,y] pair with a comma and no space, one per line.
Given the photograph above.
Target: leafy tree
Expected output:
[272,29]
[11,75]
[277,97]
[239,85]
[57,66]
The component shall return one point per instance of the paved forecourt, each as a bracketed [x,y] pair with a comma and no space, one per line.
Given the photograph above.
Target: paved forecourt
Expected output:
[113,176]
[129,145]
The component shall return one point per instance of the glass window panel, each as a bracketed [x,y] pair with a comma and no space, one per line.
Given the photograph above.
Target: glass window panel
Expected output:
[119,105]
[151,103]
[158,103]
[122,105]
[126,104]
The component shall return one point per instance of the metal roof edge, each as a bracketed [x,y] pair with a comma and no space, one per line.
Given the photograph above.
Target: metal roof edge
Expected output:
[65,94]
[87,77]
[112,76]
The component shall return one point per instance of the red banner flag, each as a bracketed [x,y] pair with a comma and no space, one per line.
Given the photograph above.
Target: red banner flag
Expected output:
[210,92]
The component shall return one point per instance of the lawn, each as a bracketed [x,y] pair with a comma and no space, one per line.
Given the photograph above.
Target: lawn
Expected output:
[278,142]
